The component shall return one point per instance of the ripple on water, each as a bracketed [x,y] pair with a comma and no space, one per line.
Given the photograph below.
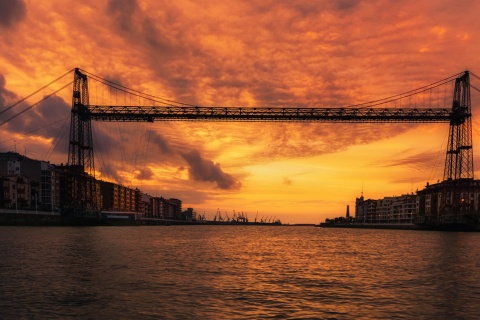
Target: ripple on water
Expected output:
[236,272]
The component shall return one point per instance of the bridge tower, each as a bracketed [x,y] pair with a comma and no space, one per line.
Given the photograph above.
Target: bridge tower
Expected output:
[459,159]
[80,151]
[80,172]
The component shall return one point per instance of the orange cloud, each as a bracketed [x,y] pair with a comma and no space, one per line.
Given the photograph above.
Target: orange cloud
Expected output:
[237,53]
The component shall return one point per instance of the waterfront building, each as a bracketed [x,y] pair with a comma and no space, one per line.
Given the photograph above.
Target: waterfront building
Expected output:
[30,184]
[16,193]
[404,208]
[174,208]
[142,203]
[189,214]
[384,210]
[450,201]
[78,190]
[43,176]
[396,209]
[365,210]
[116,197]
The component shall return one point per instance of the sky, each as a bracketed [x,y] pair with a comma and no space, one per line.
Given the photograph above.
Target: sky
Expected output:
[242,54]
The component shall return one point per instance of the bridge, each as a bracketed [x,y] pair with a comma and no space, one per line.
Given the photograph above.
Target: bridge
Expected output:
[416,106]
[459,163]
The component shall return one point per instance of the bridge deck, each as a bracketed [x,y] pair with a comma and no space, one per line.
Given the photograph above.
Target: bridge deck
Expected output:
[174,113]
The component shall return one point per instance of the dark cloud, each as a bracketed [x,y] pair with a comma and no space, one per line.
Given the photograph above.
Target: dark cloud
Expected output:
[297,140]
[420,161]
[346,4]
[123,12]
[47,119]
[12,12]
[131,148]
[110,171]
[160,142]
[144,174]
[206,170]
[6,96]
[137,27]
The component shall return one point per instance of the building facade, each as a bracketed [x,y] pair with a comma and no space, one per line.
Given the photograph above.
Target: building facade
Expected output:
[28,184]
[399,209]
[116,197]
[451,201]
[36,183]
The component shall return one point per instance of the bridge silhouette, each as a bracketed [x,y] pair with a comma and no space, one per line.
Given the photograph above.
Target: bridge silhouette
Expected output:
[459,163]
[420,105]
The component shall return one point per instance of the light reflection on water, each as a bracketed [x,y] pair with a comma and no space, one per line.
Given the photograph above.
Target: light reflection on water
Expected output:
[237,272]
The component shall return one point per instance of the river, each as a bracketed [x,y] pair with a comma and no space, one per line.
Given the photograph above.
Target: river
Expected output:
[237,272]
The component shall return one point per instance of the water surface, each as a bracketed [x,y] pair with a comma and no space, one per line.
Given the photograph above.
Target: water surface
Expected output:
[237,272]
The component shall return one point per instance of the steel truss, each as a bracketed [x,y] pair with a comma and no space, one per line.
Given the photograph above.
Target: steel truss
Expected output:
[155,113]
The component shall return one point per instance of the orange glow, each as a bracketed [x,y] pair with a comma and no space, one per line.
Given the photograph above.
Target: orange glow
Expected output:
[232,54]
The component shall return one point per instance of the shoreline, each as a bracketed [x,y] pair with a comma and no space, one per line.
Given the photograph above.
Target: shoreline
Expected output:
[55,219]
[393,226]
[458,227]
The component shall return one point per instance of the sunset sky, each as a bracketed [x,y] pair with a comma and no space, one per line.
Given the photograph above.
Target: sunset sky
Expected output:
[231,53]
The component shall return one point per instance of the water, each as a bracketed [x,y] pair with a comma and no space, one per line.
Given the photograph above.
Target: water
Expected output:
[237,272]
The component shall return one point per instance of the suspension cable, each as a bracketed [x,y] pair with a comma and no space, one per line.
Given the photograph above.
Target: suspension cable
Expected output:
[371,103]
[473,74]
[55,141]
[471,85]
[37,91]
[36,103]
[135,92]
[407,93]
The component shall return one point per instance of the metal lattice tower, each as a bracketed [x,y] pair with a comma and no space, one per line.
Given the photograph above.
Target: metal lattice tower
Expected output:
[80,153]
[459,160]
[83,188]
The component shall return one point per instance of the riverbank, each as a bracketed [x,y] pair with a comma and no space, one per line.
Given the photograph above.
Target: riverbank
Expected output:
[29,218]
[460,227]
[396,226]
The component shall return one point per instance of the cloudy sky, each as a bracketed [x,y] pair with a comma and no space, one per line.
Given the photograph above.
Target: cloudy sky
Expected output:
[241,53]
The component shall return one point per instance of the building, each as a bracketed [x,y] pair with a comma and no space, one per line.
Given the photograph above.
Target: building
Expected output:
[404,208]
[79,192]
[27,184]
[450,201]
[174,209]
[398,209]
[16,193]
[43,181]
[116,197]
[365,210]
[142,203]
